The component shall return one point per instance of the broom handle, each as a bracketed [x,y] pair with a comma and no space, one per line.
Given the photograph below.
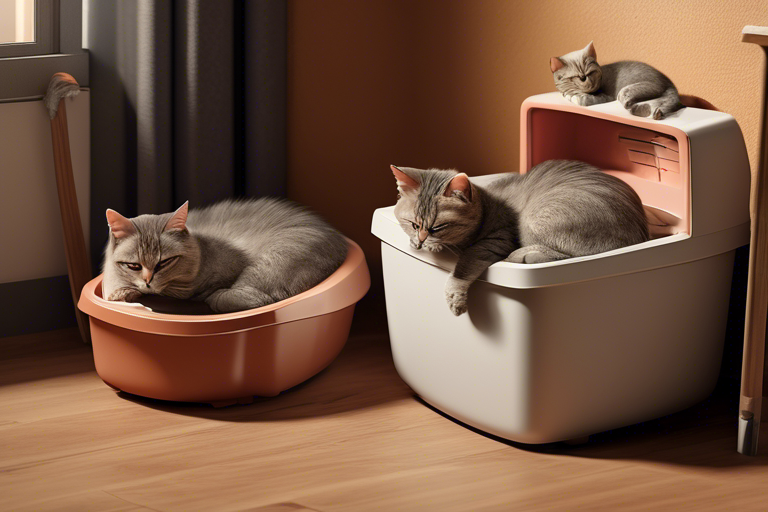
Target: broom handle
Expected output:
[78,266]
[753,362]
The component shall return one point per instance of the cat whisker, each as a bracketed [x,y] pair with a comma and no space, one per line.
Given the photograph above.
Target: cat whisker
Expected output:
[451,248]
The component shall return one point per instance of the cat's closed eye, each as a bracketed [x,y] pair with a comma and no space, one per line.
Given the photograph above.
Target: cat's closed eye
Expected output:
[164,263]
[435,229]
[133,266]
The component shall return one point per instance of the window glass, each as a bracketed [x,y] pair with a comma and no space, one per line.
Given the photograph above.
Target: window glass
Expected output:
[17,21]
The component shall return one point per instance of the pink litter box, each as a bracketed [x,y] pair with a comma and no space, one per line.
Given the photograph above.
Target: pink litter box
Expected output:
[561,350]
[228,358]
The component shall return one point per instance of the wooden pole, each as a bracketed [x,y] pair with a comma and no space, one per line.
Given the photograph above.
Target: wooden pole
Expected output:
[753,363]
[78,265]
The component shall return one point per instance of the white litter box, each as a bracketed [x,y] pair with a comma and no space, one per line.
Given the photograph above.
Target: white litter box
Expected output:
[560,350]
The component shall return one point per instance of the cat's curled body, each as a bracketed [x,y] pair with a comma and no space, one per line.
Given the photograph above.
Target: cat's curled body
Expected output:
[559,209]
[234,255]
[640,88]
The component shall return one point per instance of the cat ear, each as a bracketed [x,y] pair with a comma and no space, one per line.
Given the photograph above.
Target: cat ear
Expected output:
[590,50]
[459,183]
[555,64]
[179,219]
[119,226]
[404,182]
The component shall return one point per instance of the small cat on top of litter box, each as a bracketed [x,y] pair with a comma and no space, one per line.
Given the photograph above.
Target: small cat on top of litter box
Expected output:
[234,255]
[557,210]
[640,88]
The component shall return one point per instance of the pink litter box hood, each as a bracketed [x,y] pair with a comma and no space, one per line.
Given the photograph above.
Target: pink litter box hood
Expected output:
[228,358]
[654,157]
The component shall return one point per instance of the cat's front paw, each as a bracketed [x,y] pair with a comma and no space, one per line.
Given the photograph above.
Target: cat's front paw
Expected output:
[580,99]
[124,295]
[456,291]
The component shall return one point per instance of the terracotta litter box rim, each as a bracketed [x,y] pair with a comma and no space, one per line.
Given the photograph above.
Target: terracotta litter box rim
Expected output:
[345,287]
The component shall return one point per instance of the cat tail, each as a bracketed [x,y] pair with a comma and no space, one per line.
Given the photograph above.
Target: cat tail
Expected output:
[661,107]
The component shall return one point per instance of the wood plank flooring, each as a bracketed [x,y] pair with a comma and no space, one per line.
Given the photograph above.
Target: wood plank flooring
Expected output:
[354,438]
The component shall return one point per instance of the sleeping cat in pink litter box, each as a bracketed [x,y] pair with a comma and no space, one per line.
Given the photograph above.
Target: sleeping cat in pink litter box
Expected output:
[233,255]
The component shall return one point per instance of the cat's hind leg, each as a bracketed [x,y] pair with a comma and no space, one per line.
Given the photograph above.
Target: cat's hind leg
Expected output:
[660,107]
[535,254]
[227,300]
[642,109]
[632,96]
[249,291]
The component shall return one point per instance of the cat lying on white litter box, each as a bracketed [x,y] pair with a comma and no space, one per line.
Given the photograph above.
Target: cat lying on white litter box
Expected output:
[558,209]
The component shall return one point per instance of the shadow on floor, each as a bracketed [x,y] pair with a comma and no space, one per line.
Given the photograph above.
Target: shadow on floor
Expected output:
[43,355]
[362,376]
[701,436]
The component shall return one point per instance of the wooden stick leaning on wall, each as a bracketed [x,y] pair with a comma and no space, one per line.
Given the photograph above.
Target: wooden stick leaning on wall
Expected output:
[753,363]
[62,86]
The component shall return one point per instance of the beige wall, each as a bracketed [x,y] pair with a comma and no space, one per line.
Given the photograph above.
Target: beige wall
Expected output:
[440,83]
[31,240]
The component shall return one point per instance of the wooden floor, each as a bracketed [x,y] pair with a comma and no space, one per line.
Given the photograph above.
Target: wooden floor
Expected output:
[353,438]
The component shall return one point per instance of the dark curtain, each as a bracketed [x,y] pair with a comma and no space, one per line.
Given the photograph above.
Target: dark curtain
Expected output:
[188,102]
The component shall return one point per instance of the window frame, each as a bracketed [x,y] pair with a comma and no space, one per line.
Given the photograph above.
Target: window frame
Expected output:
[27,77]
[45,34]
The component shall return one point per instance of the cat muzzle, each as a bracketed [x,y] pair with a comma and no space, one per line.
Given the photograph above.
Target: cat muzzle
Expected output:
[147,276]
[422,236]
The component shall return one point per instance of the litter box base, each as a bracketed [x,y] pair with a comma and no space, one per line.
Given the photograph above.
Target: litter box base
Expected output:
[244,400]
[577,441]
[220,370]
[550,364]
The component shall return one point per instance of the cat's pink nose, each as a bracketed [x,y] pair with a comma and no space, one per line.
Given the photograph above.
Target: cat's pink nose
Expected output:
[423,235]
[147,275]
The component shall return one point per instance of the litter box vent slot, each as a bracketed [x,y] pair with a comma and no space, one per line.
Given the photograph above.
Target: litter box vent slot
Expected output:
[658,154]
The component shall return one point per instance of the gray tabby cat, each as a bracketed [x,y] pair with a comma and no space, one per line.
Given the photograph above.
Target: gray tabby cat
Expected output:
[233,255]
[558,209]
[641,89]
